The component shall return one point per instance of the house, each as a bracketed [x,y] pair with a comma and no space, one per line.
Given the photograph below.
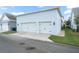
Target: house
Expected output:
[74,16]
[7,22]
[44,21]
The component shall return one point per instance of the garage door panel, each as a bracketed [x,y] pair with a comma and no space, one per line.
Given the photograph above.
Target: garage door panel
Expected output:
[45,27]
[29,27]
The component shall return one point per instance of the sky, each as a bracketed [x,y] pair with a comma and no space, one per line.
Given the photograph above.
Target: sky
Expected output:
[16,10]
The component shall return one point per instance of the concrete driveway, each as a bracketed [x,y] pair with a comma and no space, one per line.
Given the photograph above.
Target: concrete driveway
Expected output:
[16,44]
[12,44]
[42,37]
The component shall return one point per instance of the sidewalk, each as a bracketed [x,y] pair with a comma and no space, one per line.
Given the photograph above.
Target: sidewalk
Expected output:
[43,37]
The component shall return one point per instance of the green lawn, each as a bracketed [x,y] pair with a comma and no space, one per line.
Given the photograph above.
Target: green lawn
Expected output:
[71,38]
[8,32]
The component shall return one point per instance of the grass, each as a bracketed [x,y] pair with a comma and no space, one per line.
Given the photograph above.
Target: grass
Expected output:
[8,32]
[71,38]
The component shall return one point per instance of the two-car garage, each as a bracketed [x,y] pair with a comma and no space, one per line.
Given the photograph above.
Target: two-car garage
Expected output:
[46,21]
[40,27]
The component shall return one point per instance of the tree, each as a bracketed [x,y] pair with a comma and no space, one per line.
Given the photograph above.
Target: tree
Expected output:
[77,20]
[68,23]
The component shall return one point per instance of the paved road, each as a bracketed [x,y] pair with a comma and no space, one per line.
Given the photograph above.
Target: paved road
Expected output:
[14,44]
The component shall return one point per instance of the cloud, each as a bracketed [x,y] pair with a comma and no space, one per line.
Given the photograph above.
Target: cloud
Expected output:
[40,6]
[17,13]
[3,8]
[66,17]
[6,7]
[74,6]
[68,11]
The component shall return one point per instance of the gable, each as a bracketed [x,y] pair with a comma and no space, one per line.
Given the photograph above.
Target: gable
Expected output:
[10,16]
[4,17]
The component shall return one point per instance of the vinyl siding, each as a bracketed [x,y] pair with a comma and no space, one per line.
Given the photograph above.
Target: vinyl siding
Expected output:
[48,16]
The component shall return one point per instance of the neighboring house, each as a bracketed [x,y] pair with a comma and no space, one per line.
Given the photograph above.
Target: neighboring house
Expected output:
[7,22]
[74,15]
[44,21]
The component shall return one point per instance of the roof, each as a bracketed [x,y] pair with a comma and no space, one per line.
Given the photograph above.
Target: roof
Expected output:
[43,11]
[1,17]
[11,17]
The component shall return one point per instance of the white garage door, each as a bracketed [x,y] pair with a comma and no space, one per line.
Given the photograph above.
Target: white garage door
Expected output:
[5,26]
[45,27]
[29,27]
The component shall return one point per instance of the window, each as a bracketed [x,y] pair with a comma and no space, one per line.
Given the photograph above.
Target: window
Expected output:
[53,23]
